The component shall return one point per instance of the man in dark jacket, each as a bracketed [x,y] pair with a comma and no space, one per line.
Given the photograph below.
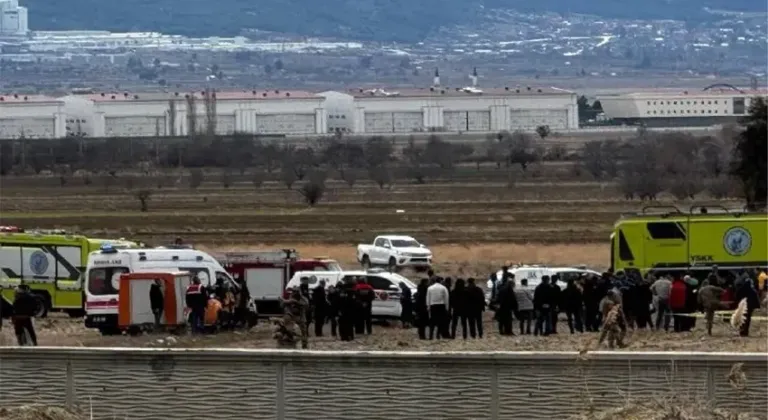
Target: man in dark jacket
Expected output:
[319,305]
[243,298]
[556,301]
[475,306]
[347,311]
[572,301]
[157,301]
[422,312]
[542,304]
[24,308]
[406,305]
[507,305]
[334,305]
[458,307]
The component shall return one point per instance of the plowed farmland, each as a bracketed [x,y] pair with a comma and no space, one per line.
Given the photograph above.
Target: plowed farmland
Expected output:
[467,221]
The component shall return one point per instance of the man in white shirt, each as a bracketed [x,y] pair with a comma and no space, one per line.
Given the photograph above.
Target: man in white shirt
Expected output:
[438,300]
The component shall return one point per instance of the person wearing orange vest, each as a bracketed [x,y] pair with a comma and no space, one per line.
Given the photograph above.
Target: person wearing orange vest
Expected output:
[197,300]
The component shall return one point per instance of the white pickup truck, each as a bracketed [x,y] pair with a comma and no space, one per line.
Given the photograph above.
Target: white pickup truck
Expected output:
[394,251]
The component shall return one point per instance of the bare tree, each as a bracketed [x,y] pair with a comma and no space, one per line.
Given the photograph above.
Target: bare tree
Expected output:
[378,156]
[209,99]
[413,155]
[226,178]
[191,116]
[172,118]
[641,174]
[380,175]
[143,197]
[520,149]
[288,171]
[195,178]
[314,188]
[543,131]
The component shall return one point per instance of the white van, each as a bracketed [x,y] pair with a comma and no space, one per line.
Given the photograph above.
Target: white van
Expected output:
[102,277]
[534,273]
[386,285]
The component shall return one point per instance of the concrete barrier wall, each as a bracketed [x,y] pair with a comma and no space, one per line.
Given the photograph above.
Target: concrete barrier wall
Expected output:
[294,385]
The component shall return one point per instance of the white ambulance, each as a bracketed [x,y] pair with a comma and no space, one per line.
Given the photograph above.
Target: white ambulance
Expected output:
[104,268]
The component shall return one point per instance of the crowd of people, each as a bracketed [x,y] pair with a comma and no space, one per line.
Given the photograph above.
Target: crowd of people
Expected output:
[610,304]
[649,302]
[220,307]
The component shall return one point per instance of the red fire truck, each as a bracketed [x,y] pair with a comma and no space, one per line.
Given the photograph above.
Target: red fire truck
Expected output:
[267,272]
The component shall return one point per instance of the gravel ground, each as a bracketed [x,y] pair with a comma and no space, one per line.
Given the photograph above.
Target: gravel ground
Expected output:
[61,331]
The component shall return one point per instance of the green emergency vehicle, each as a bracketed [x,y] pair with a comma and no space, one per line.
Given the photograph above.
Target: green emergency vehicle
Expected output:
[51,263]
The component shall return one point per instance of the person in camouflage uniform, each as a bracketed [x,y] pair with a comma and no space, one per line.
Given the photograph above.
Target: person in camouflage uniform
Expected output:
[614,323]
[295,312]
[285,333]
[710,301]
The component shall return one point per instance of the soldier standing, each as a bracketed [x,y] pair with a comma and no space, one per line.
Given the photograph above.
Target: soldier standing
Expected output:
[710,300]
[614,324]
[296,312]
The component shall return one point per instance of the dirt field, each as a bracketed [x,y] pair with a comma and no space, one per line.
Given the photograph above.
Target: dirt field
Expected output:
[59,331]
[473,223]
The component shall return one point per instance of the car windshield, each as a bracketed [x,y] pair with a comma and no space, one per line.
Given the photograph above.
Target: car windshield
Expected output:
[334,266]
[397,278]
[405,243]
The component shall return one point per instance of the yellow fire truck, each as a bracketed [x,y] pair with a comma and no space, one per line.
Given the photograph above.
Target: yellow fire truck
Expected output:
[666,239]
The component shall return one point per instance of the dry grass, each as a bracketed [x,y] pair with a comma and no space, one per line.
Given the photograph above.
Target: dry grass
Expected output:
[60,331]
[39,412]
[673,408]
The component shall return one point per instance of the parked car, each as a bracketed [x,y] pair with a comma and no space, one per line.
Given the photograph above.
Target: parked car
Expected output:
[394,252]
[385,284]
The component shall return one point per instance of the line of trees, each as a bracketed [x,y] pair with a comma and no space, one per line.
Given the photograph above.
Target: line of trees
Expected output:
[730,164]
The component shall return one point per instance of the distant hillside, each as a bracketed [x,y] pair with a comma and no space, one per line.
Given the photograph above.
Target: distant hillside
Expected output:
[385,20]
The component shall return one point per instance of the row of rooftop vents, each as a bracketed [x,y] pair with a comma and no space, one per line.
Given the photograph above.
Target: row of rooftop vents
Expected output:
[187,95]
[15,96]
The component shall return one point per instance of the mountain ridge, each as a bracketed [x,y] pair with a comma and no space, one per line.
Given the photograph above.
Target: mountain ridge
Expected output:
[373,20]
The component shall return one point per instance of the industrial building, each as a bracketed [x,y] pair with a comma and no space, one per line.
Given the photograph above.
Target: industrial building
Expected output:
[31,116]
[169,114]
[461,110]
[716,104]
[290,113]
[13,19]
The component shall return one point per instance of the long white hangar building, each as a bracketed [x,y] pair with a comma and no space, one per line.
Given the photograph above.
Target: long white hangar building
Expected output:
[470,109]
[163,114]
[31,116]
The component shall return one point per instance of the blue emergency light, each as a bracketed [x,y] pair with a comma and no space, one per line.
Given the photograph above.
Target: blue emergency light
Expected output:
[107,248]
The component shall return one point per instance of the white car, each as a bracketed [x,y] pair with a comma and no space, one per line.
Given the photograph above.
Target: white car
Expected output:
[534,274]
[386,286]
[393,252]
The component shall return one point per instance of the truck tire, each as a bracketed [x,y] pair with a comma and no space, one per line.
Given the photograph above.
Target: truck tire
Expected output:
[392,265]
[366,262]
[75,313]
[105,331]
[43,305]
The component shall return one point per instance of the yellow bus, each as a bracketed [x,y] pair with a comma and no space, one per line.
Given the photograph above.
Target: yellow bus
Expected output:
[51,264]
[666,239]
